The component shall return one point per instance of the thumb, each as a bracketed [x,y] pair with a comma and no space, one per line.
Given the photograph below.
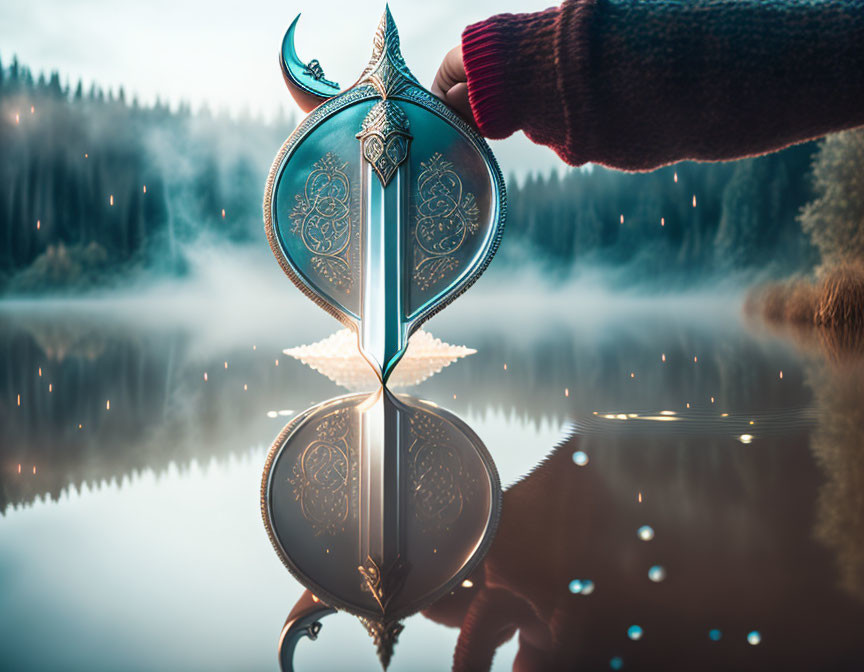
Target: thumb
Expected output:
[450,73]
[450,83]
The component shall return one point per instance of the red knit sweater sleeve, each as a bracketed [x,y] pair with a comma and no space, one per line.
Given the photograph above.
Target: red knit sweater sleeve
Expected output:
[636,84]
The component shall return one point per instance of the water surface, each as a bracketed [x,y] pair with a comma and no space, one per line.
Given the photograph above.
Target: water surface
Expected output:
[131,535]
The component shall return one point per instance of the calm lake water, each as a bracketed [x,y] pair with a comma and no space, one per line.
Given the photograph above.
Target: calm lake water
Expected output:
[681,490]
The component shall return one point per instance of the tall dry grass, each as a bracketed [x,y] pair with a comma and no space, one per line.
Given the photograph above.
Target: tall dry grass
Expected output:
[792,301]
[801,300]
[835,301]
[841,298]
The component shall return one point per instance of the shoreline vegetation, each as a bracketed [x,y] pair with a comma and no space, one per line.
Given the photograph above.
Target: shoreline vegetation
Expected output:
[833,297]
[834,300]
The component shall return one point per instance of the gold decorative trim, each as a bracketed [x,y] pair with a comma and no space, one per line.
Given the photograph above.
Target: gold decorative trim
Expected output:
[322,219]
[386,70]
[385,583]
[322,475]
[384,139]
[435,474]
[385,634]
[446,215]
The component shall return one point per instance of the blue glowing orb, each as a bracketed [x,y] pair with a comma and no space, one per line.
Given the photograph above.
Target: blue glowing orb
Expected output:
[646,533]
[657,573]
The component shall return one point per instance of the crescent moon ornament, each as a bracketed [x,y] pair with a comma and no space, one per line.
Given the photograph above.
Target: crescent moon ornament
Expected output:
[384,205]
[303,621]
[307,77]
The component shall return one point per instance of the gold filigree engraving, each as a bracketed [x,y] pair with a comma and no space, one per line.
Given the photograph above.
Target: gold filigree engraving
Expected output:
[384,139]
[382,583]
[322,218]
[386,70]
[446,216]
[321,476]
[384,634]
[436,474]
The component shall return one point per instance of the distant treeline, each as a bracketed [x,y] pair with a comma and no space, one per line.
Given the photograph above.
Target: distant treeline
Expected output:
[690,220]
[94,186]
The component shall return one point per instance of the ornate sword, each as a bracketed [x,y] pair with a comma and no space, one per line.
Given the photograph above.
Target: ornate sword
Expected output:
[382,235]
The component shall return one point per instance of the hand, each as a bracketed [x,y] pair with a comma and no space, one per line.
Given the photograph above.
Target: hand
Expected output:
[451,84]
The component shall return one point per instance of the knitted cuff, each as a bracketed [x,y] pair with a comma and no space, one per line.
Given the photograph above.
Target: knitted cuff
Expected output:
[510,64]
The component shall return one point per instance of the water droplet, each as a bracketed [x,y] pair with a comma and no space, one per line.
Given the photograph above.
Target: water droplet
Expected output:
[715,635]
[754,637]
[657,573]
[616,663]
[580,458]
[646,533]
[634,632]
[581,587]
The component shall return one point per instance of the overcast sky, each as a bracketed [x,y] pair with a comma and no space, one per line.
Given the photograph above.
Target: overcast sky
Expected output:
[224,53]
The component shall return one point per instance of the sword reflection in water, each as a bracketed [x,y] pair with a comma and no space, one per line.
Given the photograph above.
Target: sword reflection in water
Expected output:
[379,505]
